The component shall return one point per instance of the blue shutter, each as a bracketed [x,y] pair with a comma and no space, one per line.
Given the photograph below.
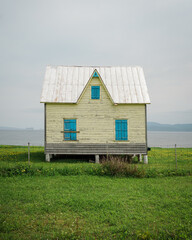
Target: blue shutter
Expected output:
[95,92]
[118,129]
[124,129]
[67,128]
[121,130]
[69,125]
[73,128]
[97,88]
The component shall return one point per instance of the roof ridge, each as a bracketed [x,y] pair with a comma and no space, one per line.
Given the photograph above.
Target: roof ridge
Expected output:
[92,66]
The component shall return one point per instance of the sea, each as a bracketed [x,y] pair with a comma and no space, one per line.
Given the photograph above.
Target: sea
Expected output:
[155,138]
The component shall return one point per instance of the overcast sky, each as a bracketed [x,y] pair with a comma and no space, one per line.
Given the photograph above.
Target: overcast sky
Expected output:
[156,35]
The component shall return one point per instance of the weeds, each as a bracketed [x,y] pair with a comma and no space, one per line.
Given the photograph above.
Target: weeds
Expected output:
[116,166]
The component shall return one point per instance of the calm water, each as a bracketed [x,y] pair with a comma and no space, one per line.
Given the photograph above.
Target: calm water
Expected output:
[36,138]
[169,139]
[22,137]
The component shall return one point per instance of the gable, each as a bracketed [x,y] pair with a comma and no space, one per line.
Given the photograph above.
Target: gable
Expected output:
[95,76]
[66,84]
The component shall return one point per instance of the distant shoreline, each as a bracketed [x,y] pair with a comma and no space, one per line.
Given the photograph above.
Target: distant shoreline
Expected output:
[153,126]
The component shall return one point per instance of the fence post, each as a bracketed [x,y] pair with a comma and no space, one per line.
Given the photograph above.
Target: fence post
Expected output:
[107,151]
[176,155]
[28,153]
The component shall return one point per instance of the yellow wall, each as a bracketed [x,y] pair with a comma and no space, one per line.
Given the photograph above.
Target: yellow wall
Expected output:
[95,119]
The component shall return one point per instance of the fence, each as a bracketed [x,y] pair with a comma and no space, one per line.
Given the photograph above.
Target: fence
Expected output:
[170,156]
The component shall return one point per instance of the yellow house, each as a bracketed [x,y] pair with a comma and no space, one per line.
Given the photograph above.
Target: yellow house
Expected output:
[95,111]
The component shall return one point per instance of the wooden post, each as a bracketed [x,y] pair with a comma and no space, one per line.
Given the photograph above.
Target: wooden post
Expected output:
[47,157]
[107,151]
[145,159]
[28,153]
[96,158]
[140,158]
[176,156]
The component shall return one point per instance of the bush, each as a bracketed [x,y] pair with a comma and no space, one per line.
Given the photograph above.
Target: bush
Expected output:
[116,166]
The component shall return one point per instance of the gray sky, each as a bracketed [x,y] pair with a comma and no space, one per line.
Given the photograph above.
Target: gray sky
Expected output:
[154,34]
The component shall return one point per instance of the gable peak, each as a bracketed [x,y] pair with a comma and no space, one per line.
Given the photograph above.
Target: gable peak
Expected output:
[95,73]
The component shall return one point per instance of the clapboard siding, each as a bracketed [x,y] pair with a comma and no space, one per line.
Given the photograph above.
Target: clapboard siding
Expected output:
[80,148]
[95,119]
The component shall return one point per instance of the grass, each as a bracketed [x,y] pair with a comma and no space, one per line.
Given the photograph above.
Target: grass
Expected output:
[92,207]
[84,205]
[165,158]
[13,161]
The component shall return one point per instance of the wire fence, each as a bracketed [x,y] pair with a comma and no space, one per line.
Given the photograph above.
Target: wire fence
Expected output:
[170,156]
[162,156]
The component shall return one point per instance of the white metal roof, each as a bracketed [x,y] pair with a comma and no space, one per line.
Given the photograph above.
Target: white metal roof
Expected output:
[64,84]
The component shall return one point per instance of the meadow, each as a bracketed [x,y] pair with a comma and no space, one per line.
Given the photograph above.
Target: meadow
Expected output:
[74,199]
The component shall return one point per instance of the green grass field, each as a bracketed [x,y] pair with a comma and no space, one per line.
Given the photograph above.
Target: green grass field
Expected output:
[81,205]
[161,162]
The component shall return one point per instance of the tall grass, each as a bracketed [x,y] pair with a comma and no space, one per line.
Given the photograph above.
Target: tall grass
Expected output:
[117,166]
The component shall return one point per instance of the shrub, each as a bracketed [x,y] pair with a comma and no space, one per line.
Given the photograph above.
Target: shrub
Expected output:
[116,166]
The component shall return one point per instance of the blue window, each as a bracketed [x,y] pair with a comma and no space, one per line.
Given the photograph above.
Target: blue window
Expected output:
[95,92]
[121,130]
[70,129]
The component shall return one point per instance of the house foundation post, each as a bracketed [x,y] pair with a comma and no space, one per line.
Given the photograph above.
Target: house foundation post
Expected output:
[96,158]
[140,157]
[48,157]
[145,158]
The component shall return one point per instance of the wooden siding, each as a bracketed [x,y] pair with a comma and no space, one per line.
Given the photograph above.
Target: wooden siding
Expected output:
[82,148]
[95,119]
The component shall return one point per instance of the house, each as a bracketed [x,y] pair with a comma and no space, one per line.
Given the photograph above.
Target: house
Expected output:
[95,111]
